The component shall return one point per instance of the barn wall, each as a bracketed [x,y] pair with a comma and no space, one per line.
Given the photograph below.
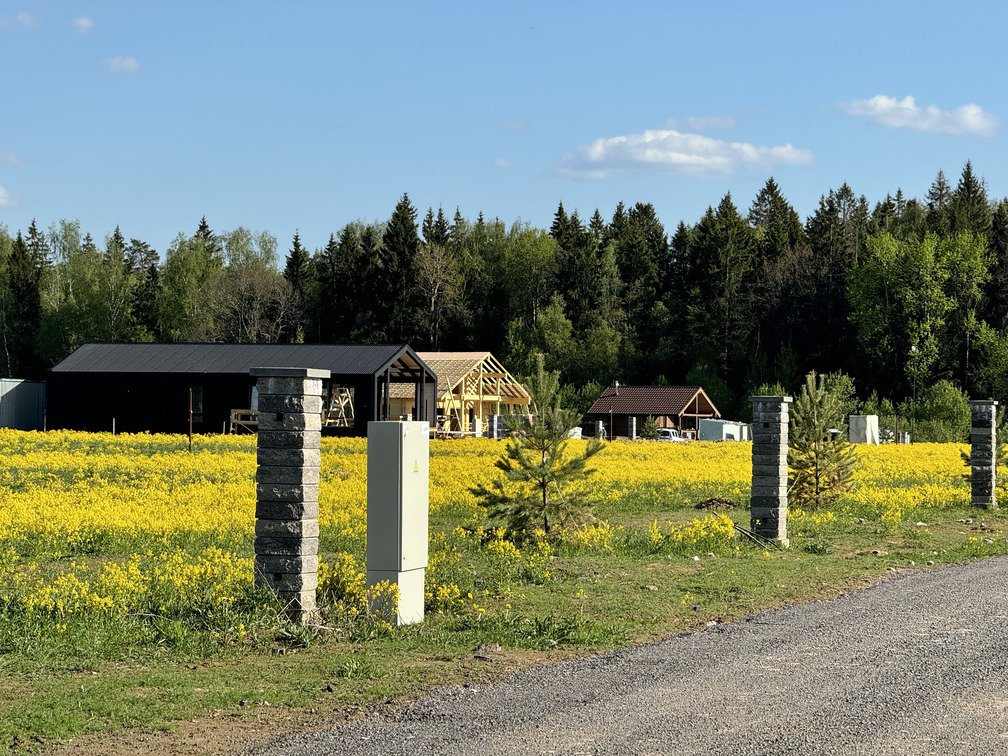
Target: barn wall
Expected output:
[158,403]
[22,404]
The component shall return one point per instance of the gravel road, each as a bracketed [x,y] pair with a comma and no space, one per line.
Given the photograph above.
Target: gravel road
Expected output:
[914,665]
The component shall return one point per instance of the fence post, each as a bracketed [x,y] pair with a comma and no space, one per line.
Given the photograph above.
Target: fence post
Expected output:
[287,484]
[983,453]
[769,464]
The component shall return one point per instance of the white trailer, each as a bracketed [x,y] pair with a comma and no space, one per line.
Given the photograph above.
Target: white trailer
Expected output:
[723,430]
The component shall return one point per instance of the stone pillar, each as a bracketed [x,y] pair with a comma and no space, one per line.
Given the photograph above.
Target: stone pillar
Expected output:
[631,432]
[599,429]
[287,484]
[983,453]
[769,463]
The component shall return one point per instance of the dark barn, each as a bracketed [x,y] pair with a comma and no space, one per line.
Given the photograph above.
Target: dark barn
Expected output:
[148,387]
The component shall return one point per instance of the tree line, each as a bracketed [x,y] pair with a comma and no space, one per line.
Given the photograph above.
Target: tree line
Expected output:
[897,297]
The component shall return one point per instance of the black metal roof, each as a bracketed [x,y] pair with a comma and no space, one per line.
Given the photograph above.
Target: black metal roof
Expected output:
[234,359]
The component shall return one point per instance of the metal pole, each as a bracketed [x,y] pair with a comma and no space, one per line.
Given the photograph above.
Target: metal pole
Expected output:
[190,418]
[913,415]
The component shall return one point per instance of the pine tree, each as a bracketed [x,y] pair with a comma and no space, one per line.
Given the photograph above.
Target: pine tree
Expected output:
[24,311]
[210,241]
[969,207]
[542,483]
[996,299]
[427,227]
[436,231]
[143,305]
[400,243]
[822,464]
[559,228]
[374,323]
[649,429]
[330,317]
[721,318]
[115,250]
[458,230]
[38,247]
[298,269]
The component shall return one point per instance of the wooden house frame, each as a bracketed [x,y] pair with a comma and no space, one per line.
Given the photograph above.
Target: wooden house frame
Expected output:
[471,387]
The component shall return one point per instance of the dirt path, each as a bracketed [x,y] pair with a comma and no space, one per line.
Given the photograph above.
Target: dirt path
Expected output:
[917,664]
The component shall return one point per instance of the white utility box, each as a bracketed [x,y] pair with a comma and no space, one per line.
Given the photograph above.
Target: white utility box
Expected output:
[713,429]
[863,429]
[398,463]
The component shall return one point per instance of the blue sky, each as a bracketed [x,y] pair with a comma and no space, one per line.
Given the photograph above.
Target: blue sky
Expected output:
[305,116]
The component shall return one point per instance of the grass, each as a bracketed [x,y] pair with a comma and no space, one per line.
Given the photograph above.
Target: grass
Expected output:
[100,674]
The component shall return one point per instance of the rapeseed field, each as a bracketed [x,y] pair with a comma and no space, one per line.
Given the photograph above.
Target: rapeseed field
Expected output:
[139,526]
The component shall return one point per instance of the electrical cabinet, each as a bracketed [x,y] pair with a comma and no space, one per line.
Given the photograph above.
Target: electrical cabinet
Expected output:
[398,464]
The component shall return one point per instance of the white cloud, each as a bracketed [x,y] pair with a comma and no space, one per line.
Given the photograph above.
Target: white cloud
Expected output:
[120,64]
[5,199]
[11,159]
[670,151]
[22,20]
[82,25]
[967,120]
[502,163]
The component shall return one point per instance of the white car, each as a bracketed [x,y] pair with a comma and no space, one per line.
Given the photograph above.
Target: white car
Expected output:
[670,434]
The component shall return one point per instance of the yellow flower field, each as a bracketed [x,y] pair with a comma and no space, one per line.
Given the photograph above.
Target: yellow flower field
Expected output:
[129,523]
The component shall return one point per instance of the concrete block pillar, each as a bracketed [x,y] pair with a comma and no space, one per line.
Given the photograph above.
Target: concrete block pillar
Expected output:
[287,484]
[769,463]
[983,453]
[631,428]
[599,429]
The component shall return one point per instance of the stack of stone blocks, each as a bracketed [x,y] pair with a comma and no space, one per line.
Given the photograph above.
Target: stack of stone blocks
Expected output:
[287,484]
[983,453]
[769,465]
[631,429]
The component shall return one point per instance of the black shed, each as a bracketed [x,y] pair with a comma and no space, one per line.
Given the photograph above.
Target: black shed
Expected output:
[146,387]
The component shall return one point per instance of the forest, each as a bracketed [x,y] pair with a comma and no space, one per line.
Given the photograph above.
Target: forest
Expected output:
[896,300]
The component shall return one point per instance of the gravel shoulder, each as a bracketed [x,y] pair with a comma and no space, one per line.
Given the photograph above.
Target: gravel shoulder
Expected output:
[916,664]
